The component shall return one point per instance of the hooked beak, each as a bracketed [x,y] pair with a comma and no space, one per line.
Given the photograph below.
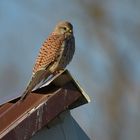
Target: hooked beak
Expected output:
[70,31]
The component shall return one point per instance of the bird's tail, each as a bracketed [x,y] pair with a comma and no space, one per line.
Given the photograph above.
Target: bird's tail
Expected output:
[35,80]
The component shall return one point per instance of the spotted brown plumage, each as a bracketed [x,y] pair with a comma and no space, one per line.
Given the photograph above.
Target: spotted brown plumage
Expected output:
[54,55]
[48,52]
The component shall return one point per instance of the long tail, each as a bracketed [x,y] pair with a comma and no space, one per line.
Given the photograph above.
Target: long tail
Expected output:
[35,80]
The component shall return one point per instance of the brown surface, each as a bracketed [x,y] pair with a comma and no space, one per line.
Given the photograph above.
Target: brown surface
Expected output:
[21,121]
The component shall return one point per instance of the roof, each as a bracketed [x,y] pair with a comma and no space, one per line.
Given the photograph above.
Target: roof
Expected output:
[23,120]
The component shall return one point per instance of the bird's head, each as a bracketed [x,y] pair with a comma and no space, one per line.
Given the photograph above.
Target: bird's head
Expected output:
[63,27]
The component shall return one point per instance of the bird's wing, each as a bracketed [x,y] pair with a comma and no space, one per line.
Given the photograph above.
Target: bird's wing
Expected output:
[49,52]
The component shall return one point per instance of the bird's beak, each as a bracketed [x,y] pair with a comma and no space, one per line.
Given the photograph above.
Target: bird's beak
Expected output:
[70,31]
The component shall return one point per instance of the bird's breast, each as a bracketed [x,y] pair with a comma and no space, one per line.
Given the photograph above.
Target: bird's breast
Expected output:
[67,52]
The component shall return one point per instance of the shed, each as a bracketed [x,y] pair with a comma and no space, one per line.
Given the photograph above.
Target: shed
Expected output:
[46,109]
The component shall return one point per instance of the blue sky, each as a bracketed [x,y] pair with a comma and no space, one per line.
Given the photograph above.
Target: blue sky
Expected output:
[107,50]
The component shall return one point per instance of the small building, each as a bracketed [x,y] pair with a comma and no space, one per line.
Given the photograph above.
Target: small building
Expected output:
[45,113]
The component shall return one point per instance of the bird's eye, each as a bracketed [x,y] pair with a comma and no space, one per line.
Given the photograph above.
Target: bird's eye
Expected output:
[64,28]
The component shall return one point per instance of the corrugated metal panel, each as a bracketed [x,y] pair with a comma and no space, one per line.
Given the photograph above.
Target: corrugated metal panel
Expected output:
[66,128]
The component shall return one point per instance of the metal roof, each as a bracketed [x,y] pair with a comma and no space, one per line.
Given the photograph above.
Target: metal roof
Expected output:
[22,120]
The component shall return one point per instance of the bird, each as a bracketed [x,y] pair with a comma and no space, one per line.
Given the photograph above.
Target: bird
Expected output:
[54,55]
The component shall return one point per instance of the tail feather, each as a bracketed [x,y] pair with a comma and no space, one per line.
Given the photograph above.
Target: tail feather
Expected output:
[35,80]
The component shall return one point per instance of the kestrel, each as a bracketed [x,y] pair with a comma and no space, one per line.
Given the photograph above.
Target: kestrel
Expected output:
[55,54]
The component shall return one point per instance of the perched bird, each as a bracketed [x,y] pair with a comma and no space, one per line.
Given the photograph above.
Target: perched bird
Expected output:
[54,55]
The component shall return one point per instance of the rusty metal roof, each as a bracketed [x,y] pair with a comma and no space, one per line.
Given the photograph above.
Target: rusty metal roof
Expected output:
[22,120]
